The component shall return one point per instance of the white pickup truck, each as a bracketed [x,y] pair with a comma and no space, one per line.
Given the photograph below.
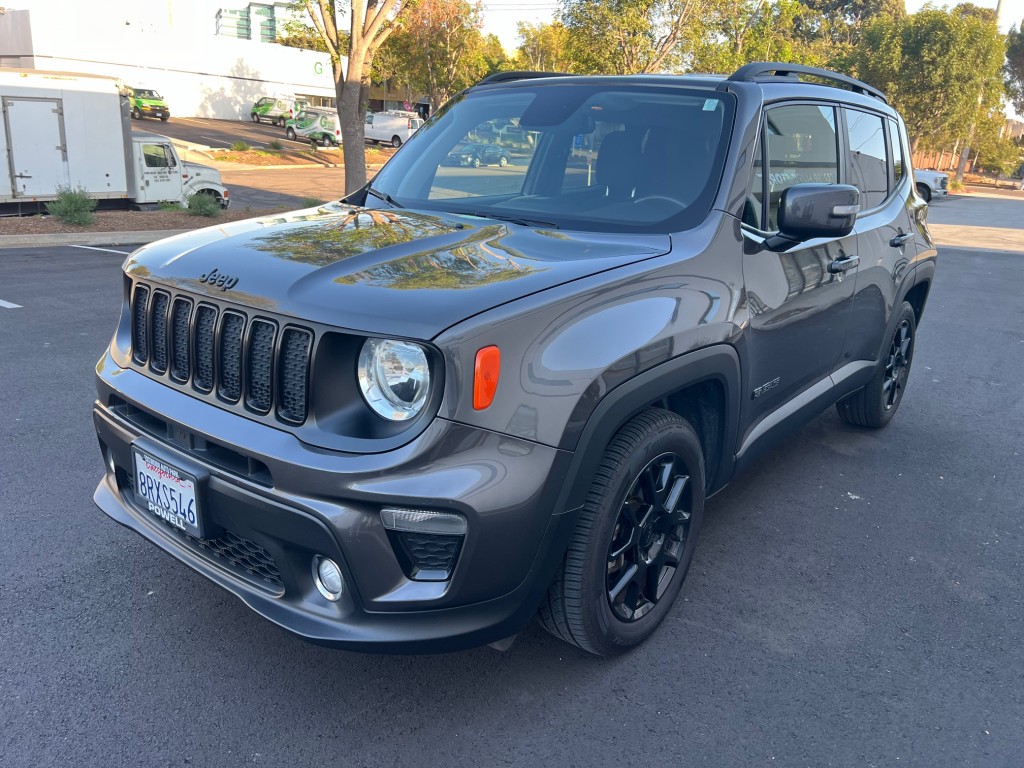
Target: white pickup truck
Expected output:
[931,184]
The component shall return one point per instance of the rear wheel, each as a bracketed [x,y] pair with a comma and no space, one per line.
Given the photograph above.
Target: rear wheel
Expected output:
[476,162]
[502,161]
[924,191]
[136,114]
[634,539]
[325,141]
[876,404]
[165,118]
[255,117]
[396,142]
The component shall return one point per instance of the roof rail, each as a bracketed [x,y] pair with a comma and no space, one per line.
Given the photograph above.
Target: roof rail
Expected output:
[754,71]
[505,77]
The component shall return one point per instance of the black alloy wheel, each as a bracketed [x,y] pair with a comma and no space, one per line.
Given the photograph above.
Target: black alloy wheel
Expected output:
[897,365]
[649,537]
[635,537]
[875,404]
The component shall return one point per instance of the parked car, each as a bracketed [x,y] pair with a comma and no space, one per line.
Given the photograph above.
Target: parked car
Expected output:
[931,184]
[276,109]
[390,128]
[413,419]
[319,125]
[145,102]
[478,154]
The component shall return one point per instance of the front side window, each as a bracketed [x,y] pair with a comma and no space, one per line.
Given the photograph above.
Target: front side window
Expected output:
[157,156]
[632,158]
[802,148]
[869,171]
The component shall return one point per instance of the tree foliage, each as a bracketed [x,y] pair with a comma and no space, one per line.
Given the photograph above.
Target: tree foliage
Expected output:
[543,48]
[1015,67]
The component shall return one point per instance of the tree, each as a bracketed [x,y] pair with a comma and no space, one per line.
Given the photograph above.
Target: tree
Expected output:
[627,36]
[370,24]
[543,47]
[438,49]
[940,69]
[1014,71]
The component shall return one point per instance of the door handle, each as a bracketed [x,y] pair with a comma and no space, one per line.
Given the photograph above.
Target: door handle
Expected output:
[843,264]
[901,239]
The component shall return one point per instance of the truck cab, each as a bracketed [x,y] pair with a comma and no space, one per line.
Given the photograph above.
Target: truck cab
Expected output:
[162,176]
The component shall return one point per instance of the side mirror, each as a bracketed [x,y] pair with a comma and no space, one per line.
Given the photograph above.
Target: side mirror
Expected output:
[807,211]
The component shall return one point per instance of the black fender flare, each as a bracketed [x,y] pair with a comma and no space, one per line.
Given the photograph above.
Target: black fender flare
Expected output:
[719,362]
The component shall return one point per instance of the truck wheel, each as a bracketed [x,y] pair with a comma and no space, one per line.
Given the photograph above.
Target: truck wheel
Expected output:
[396,142]
[289,134]
[634,539]
[325,141]
[924,191]
[874,405]
[165,118]
[136,114]
[255,118]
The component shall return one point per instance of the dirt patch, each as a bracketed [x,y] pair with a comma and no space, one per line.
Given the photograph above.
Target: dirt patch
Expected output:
[265,157]
[122,221]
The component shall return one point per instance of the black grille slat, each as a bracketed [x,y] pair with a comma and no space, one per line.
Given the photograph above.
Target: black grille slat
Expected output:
[181,315]
[253,361]
[161,301]
[140,343]
[231,356]
[293,374]
[259,388]
[206,324]
[432,551]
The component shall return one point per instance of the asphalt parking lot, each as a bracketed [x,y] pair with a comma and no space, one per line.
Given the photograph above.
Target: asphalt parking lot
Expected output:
[856,599]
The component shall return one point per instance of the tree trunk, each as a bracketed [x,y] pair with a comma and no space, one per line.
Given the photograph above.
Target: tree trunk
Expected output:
[353,129]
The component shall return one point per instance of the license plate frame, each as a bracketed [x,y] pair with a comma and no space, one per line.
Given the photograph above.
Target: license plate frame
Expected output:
[168,492]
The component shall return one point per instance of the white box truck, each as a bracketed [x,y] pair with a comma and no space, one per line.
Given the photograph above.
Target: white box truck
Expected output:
[73,130]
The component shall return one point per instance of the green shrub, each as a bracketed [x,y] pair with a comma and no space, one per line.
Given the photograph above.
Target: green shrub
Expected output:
[167,205]
[203,204]
[72,206]
[275,145]
[240,146]
[309,202]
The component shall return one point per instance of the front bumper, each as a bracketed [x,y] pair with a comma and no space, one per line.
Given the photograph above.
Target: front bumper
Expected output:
[279,503]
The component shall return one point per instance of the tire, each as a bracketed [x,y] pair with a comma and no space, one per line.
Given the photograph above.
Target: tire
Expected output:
[136,114]
[280,122]
[476,162]
[396,142]
[165,118]
[502,161]
[289,134]
[597,602]
[924,191]
[255,118]
[325,141]
[876,404]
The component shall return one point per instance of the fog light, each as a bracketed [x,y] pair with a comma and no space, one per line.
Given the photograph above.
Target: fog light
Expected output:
[327,577]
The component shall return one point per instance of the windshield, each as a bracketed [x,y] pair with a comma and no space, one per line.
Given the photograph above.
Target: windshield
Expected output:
[143,93]
[594,156]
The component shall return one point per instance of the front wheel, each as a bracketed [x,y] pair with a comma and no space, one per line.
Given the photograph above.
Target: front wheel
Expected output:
[924,191]
[502,161]
[136,114]
[165,118]
[634,539]
[289,134]
[876,404]
[255,118]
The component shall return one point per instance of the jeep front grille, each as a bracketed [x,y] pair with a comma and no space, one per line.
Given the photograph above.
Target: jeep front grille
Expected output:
[248,360]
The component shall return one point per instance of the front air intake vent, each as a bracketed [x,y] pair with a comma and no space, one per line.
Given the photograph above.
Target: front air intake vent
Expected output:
[259,366]
[140,340]
[180,341]
[161,301]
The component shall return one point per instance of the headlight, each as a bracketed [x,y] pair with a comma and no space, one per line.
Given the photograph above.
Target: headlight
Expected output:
[394,377]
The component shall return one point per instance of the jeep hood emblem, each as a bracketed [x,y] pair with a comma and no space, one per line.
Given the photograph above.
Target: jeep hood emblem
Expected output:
[219,279]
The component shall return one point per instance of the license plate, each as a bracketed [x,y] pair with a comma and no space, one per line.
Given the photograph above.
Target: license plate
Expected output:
[167,492]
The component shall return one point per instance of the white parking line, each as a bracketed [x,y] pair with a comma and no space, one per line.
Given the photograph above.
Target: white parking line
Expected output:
[108,250]
[9,305]
[214,138]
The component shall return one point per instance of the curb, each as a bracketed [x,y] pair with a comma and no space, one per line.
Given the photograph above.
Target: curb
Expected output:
[98,238]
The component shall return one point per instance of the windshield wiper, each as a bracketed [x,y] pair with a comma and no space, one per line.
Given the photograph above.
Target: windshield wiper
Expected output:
[385,197]
[514,219]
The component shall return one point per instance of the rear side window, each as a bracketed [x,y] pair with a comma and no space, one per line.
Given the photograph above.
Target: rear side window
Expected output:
[802,148]
[896,153]
[869,171]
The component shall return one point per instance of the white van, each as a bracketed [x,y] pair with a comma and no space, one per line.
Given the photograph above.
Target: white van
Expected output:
[392,128]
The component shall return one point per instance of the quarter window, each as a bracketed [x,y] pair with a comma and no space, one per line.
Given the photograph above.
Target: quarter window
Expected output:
[802,148]
[869,170]
[896,152]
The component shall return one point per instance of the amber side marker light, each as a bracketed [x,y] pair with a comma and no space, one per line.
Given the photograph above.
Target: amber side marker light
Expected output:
[485,376]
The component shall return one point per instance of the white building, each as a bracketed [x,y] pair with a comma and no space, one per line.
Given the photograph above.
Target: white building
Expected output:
[208,58]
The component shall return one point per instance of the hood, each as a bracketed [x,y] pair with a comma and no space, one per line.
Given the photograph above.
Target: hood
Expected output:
[201,171]
[386,272]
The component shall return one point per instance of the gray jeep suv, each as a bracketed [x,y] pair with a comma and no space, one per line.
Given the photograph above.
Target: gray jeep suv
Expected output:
[412,419]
